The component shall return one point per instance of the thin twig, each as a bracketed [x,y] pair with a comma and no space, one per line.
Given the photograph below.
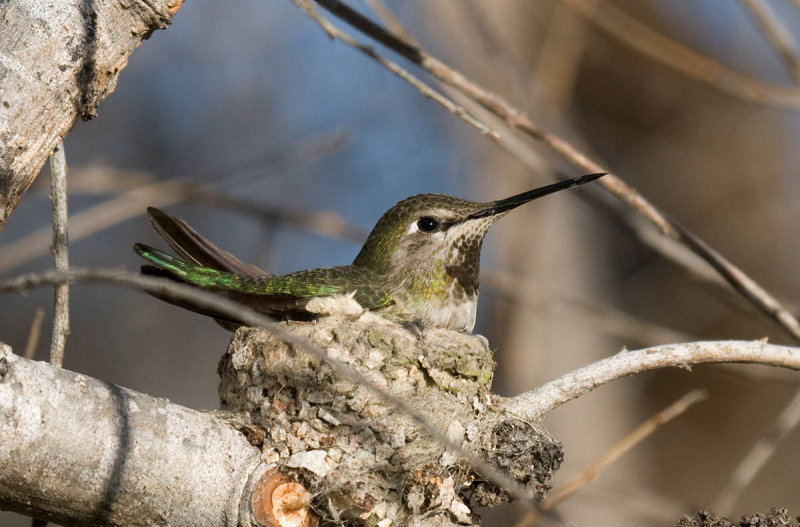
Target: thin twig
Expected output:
[765,302]
[34,333]
[385,14]
[777,34]
[681,58]
[593,471]
[208,300]
[752,463]
[132,203]
[59,247]
[333,32]
[160,194]
[624,445]
[92,220]
[533,405]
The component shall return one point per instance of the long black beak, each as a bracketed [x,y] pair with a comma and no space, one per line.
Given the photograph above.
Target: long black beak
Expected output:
[507,204]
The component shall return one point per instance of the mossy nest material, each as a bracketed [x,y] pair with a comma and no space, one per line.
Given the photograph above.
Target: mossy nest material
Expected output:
[365,462]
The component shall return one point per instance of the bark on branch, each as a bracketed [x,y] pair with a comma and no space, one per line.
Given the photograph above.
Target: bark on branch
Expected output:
[534,405]
[79,451]
[58,61]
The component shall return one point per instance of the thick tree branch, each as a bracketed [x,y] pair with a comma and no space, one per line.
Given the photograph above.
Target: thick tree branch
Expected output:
[535,404]
[60,71]
[79,451]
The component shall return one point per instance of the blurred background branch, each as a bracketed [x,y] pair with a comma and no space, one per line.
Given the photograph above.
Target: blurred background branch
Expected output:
[681,58]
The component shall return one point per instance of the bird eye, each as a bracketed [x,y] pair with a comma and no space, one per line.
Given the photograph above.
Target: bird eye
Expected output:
[428,224]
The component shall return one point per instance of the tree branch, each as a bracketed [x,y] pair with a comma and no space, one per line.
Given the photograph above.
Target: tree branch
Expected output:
[79,451]
[533,405]
[642,432]
[60,72]
[60,249]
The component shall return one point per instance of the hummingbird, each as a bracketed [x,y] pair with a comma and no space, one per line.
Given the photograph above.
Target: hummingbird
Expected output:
[418,266]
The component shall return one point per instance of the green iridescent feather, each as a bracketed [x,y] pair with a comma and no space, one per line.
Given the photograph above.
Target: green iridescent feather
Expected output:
[301,284]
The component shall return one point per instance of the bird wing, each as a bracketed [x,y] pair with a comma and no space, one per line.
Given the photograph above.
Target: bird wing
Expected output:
[205,265]
[281,297]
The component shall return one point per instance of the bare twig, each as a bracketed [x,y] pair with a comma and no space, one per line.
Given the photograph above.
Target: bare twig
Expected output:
[777,34]
[160,194]
[759,297]
[747,287]
[758,456]
[92,220]
[385,14]
[33,335]
[133,203]
[593,471]
[533,405]
[59,247]
[333,32]
[224,306]
[681,58]
[629,441]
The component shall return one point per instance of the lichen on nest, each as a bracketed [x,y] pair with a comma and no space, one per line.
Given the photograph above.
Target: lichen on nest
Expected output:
[366,462]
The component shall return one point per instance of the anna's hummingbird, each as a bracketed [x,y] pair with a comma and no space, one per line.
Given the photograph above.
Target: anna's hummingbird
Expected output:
[419,264]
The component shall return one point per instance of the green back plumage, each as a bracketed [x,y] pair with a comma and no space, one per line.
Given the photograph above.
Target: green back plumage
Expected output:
[301,284]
